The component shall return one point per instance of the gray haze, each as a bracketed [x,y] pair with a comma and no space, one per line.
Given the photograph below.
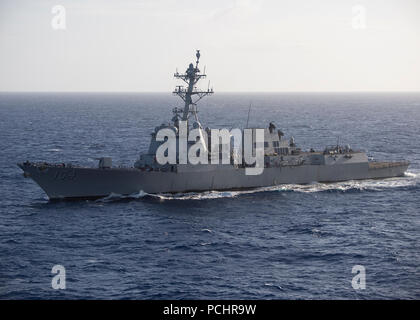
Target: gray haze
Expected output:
[247,45]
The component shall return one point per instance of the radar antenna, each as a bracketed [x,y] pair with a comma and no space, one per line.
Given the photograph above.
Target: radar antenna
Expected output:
[191,77]
[249,111]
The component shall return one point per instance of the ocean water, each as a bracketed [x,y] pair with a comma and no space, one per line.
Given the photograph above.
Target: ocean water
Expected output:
[285,242]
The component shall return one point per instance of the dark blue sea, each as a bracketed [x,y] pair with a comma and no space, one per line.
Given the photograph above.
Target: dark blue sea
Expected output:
[286,242]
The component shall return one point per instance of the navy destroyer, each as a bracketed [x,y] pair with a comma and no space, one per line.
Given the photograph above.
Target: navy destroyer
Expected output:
[283,161]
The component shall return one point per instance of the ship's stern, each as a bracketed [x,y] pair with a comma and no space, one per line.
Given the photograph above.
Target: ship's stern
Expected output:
[380,170]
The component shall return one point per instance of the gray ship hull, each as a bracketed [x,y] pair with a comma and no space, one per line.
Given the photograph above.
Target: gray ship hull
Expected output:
[60,182]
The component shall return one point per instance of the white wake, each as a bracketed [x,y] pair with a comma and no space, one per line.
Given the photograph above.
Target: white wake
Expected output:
[411,178]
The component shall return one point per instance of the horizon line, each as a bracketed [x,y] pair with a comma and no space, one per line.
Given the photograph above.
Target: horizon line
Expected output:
[218,92]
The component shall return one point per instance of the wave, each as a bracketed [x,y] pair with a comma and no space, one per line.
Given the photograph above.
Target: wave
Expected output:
[116,196]
[411,179]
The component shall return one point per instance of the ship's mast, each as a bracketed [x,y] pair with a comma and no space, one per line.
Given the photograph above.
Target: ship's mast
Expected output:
[191,76]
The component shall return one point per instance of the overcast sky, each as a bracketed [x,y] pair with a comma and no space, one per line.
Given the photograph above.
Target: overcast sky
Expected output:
[247,45]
